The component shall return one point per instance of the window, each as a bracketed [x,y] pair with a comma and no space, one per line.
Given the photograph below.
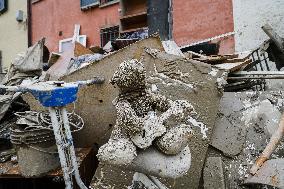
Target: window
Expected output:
[85,4]
[67,43]
[109,34]
[102,2]
[3,6]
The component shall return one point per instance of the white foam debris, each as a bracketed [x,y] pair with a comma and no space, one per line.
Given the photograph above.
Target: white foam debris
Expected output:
[154,88]
[248,115]
[172,48]
[213,72]
[280,102]
[247,103]
[203,128]
[222,81]
[251,93]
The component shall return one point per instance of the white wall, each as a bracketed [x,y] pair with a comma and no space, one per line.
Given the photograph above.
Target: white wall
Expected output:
[13,35]
[250,15]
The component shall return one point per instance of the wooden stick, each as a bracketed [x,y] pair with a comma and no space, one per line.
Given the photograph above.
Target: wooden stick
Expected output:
[271,146]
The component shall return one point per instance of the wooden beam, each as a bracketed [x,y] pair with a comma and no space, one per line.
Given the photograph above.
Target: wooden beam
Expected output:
[274,37]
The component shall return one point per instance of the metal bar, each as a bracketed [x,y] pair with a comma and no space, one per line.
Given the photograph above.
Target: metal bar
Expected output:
[266,62]
[238,78]
[1,70]
[260,64]
[60,143]
[71,147]
[278,73]
[253,59]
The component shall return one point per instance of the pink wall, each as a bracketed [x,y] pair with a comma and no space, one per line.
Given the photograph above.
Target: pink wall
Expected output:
[49,17]
[195,20]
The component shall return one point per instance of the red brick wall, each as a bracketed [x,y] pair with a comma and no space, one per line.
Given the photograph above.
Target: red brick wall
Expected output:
[49,17]
[195,20]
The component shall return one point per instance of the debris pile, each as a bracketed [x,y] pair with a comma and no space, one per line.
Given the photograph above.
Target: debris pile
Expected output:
[163,119]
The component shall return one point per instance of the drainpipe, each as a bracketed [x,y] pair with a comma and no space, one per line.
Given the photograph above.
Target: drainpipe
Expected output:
[1,71]
[170,19]
[29,2]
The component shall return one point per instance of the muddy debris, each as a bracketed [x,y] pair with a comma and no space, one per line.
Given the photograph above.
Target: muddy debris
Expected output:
[165,118]
[138,124]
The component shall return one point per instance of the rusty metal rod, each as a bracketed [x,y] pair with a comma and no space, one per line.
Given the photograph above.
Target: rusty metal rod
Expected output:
[271,146]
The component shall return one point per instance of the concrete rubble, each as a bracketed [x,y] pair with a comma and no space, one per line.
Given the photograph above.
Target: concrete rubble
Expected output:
[164,118]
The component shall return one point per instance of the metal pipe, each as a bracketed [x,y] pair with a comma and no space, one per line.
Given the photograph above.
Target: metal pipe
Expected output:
[259,73]
[260,77]
[260,64]
[79,181]
[60,144]
[266,62]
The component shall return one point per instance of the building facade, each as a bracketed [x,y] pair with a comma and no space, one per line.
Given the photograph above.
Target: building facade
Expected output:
[237,22]
[185,21]
[13,30]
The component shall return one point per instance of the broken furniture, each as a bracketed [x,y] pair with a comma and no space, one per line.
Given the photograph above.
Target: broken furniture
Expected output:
[55,96]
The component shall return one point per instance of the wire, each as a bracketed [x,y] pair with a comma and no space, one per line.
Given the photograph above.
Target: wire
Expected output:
[43,120]
[40,121]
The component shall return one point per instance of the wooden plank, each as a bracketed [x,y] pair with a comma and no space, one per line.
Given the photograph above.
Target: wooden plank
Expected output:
[219,59]
[232,66]
[241,57]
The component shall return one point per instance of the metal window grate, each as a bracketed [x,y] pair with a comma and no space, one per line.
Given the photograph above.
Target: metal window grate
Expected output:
[109,34]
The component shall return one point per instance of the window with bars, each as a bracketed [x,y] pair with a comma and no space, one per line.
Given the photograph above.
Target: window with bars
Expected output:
[109,34]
